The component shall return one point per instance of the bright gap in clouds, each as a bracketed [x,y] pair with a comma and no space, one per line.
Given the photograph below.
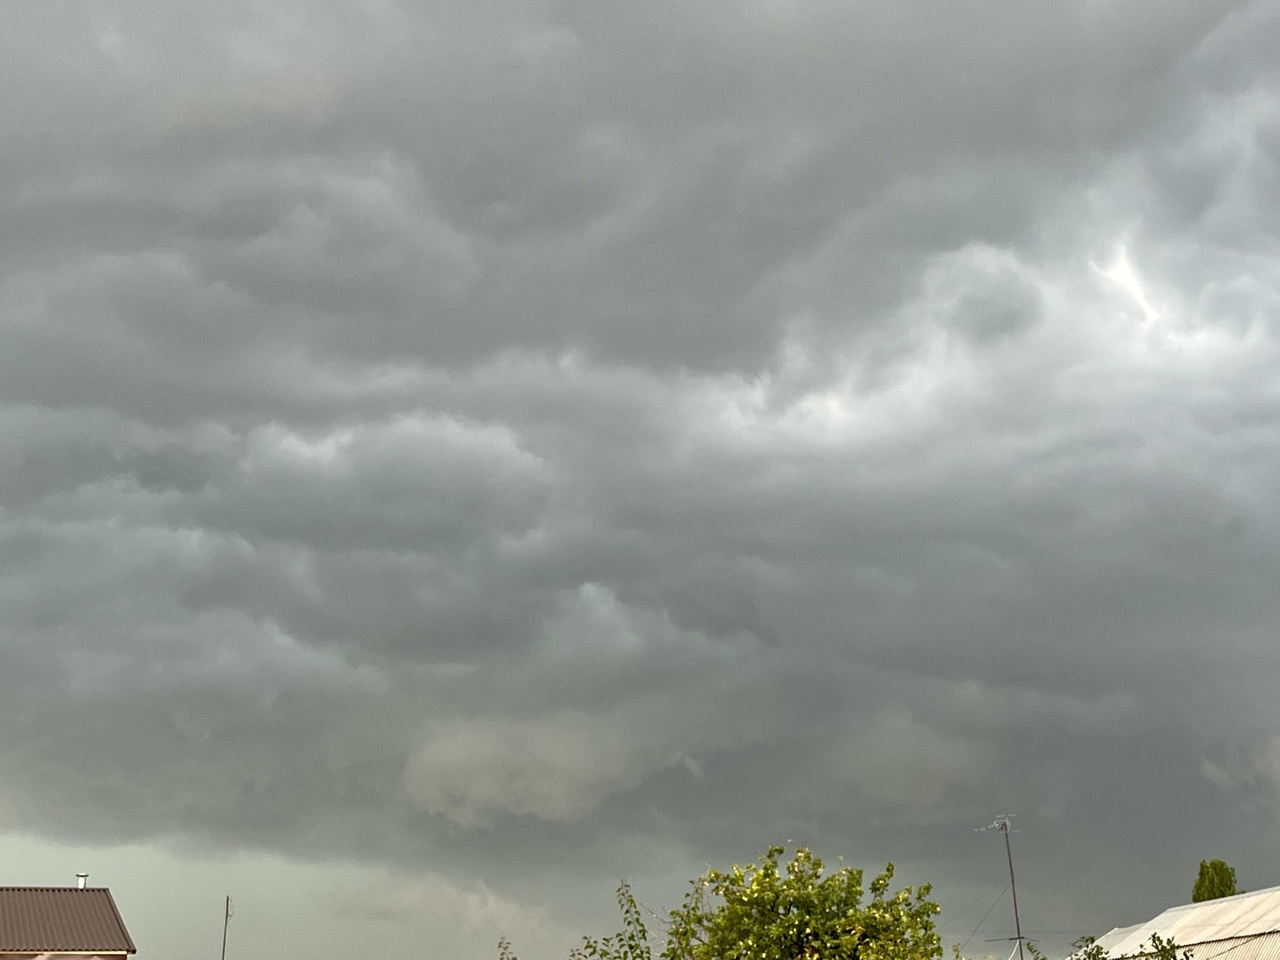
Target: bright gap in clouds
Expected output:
[1122,273]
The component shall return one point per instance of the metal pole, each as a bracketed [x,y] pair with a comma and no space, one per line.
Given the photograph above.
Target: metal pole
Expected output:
[226,916]
[1008,852]
[1002,824]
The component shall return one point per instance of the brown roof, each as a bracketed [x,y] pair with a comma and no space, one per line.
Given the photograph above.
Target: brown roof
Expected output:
[61,920]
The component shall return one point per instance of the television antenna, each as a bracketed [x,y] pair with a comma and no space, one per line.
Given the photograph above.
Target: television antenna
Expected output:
[1001,823]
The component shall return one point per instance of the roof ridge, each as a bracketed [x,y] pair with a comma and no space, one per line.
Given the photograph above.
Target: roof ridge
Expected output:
[1216,900]
[77,889]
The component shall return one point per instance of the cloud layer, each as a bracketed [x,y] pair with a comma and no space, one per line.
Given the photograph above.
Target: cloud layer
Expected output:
[551,442]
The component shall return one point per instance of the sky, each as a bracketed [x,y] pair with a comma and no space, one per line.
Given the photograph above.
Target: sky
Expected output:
[455,456]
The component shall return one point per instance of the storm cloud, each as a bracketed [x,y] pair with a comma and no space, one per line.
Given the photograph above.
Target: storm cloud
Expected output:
[523,445]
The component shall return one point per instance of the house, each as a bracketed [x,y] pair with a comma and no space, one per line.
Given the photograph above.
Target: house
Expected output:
[1243,927]
[79,922]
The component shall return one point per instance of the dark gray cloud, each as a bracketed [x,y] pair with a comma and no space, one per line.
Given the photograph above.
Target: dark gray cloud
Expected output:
[553,442]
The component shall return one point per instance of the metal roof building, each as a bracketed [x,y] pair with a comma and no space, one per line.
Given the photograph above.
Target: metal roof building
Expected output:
[1243,927]
[52,921]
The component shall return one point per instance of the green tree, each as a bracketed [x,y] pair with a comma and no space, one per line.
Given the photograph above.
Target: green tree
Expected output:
[1216,880]
[630,943]
[765,912]
[776,911]
[1163,948]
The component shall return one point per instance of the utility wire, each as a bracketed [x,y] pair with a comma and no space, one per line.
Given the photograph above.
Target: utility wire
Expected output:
[965,909]
[998,898]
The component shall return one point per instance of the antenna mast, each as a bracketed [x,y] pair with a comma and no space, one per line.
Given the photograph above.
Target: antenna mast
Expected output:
[226,918]
[1001,823]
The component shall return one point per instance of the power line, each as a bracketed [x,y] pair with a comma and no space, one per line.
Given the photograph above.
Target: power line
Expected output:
[965,909]
[999,897]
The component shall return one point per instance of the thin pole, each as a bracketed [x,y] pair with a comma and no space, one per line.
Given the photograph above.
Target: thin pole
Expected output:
[1002,824]
[1008,852]
[227,917]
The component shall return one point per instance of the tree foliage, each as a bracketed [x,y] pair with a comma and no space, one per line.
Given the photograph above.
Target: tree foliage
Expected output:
[776,911]
[1216,880]
[797,911]
[764,912]
[630,943]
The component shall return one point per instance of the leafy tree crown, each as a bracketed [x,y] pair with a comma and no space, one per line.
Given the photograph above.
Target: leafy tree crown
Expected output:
[773,910]
[1216,880]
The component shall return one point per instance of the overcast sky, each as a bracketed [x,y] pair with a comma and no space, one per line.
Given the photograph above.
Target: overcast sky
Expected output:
[455,455]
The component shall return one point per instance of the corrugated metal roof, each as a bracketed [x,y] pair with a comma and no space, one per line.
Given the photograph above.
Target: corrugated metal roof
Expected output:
[1244,924]
[1262,946]
[61,920]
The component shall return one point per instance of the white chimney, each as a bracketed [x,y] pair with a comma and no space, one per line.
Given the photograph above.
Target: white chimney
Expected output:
[81,879]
